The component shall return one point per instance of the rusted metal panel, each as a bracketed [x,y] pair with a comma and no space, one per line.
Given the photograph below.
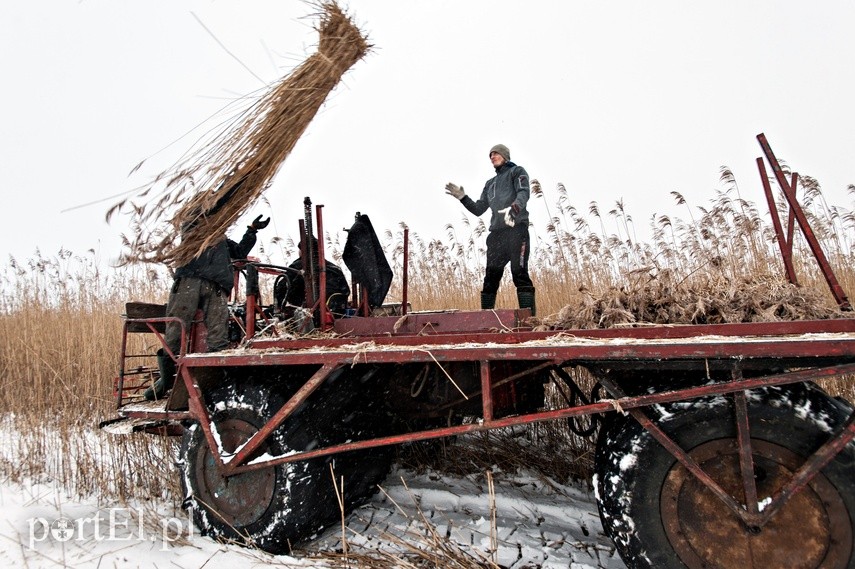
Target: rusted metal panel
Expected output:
[539,348]
[430,323]
[467,327]
[624,404]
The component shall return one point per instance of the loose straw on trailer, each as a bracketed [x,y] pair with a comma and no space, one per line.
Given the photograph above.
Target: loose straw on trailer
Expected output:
[205,194]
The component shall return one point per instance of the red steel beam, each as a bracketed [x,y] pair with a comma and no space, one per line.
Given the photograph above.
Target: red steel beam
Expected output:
[688,462]
[406,272]
[120,386]
[486,392]
[296,400]
[784,244]
[808,471]
[798,213]
[581,352]
[750,514]
[622,403]
[463,327]
[198,410]
[746,454]
[791,219]
[323,313]
[150,324]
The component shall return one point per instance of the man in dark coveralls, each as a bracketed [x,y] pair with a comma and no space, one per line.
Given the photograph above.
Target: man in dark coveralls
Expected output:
[506,195]
[204,283]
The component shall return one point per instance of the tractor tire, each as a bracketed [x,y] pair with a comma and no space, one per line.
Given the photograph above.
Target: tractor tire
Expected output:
[279,507]
[272,508]
[355,411]
[660,516]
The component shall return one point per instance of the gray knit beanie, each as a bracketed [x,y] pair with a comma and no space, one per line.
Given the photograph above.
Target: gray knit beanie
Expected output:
[503,151]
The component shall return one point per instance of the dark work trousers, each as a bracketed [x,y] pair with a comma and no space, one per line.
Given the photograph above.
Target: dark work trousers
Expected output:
[510,244]
[189,294]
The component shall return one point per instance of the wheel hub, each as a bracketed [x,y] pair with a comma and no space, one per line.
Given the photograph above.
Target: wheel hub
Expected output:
[241,499]
[812,530]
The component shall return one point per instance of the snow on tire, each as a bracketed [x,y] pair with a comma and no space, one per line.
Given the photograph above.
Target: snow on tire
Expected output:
[659,515]
[271,508]
[277,507]
[355,411]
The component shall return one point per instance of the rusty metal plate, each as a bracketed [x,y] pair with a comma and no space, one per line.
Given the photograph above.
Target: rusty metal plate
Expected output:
[811,531]
[241,499]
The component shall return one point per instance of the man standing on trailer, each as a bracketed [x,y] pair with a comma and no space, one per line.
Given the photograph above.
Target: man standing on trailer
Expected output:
[506,194]
[204,283]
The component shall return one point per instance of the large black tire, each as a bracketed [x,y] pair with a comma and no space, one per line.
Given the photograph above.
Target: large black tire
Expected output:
[660,516]
[278,507]
[356,411]
[270,508]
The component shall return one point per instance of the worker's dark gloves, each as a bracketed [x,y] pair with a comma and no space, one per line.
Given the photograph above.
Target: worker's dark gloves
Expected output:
[258,223]
[515,207]
[455,190]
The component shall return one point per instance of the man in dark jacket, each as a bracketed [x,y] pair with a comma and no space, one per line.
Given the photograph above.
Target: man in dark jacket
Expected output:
[204,283]
[506,195]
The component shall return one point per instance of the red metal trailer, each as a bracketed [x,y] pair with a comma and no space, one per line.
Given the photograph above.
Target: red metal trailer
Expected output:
[715,446]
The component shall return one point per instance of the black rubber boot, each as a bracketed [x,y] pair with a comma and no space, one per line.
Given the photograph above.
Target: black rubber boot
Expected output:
[488,300]
[167,377]
[525,296]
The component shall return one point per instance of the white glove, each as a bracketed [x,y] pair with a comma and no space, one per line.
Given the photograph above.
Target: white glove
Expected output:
[509,216]
[455,190]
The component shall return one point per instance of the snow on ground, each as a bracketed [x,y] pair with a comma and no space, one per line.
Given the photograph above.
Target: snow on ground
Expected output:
[538,524]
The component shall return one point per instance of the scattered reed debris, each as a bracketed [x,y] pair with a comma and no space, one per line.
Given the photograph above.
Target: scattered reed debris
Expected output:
[204,194]
[548,451]
[702,299]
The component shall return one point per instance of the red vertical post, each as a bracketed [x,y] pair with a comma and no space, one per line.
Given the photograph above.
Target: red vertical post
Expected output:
[746,455]
[250,316]
[486,392]
[791,219]
[785,244]
[406,270]
[798,213]
[121,381]
[322,269]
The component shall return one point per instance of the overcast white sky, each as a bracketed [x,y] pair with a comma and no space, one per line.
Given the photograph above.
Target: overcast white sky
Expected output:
[617,100]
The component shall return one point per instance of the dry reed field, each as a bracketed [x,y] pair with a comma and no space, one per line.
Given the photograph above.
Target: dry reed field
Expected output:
[60,321]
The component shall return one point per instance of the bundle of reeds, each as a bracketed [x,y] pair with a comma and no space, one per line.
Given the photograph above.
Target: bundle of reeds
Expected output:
[705,299]
[204,194]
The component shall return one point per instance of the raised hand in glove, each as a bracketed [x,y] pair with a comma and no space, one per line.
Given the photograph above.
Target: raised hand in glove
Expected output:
[508,214]
[455,190]
[258,223]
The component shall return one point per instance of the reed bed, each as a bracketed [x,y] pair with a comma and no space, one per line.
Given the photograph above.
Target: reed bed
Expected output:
[60,324]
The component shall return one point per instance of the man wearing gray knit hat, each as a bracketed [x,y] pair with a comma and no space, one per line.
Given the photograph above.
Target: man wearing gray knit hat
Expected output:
[506,195]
